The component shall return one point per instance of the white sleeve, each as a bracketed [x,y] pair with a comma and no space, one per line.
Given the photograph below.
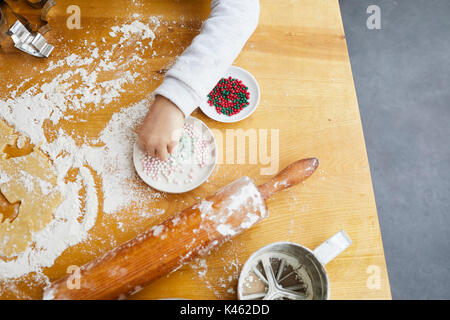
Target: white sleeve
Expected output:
[211,53]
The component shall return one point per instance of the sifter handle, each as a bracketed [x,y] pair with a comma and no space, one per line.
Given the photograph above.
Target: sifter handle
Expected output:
[331,248]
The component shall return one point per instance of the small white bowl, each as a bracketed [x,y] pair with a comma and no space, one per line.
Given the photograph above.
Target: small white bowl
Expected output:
[253,87]
[200,174]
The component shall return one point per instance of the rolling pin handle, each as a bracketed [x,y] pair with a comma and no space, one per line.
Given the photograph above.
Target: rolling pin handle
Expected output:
[292,175]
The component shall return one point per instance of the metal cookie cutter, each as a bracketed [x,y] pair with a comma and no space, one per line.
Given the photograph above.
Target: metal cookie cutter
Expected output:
[288,271]
[34,44]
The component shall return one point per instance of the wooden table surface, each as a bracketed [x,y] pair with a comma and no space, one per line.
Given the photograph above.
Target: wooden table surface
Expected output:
[299,56]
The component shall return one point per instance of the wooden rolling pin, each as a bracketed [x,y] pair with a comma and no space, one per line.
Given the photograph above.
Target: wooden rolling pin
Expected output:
[189,234]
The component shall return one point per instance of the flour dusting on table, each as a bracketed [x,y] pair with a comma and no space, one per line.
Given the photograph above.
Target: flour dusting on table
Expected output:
[72,95]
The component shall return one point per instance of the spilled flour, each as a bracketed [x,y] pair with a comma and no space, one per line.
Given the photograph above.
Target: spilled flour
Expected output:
[89,173]
[78,90]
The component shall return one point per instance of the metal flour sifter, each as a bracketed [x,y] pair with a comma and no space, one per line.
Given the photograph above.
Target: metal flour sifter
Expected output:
[289,271]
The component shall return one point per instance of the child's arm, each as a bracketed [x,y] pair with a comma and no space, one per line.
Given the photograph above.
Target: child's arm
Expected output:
[197,71]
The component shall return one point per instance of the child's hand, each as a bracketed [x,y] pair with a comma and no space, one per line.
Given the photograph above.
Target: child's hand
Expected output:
[161,129]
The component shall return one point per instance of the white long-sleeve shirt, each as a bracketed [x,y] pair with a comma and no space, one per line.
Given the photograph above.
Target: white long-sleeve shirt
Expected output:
[211,53]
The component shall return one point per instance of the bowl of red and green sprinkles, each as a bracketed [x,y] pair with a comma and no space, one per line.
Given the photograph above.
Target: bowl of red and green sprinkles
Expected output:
[234,98]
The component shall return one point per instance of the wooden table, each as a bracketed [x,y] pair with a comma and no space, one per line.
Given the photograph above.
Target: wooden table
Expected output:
[299,56]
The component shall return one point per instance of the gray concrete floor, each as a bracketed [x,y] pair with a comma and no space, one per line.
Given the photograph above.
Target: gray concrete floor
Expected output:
[402,78]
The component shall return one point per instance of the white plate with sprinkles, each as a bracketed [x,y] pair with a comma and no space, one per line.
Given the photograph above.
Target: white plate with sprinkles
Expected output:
[188,166]
[235,97]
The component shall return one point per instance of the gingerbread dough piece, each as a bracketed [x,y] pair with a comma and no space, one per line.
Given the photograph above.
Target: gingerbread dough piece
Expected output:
[7,136]
[30,180]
